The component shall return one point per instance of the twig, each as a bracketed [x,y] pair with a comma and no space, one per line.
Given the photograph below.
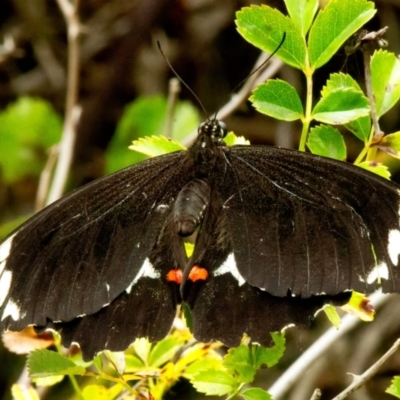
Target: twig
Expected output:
[72,109]
[294,372]
[360,380]
[45,178]
[173,93]
[8,49]
[367,49]
[316,395]
[368,42]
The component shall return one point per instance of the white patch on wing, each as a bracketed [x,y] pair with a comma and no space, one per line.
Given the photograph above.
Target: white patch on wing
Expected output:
[379,272]
[146,270]
[11,310]
[108,288]
[229,267]
[5,283]
[394,245]
[5,252]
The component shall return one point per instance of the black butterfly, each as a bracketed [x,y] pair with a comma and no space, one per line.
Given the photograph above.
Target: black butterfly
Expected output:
[279,234]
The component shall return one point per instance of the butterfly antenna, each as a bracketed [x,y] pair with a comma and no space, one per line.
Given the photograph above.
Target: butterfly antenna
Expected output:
[181,80]
[257,69]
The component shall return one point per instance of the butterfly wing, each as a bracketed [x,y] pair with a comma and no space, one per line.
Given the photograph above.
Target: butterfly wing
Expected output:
[145,310]
[79,254]
[307,225]
[224,305]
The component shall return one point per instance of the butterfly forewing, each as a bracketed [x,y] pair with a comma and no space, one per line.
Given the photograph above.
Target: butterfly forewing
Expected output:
[307,225]
[80,253]
[146,309]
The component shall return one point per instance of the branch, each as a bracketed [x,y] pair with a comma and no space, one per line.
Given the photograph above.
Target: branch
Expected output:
[360,380]
[316,395]
[69,8]
[173,93]
[298,368]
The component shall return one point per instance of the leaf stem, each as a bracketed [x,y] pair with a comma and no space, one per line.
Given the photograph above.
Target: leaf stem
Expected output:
[76,387]
[362,154]
[307,117]
[366,50]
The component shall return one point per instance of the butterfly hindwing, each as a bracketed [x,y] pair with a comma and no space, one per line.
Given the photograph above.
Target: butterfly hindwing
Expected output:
[79,254]
[224,305]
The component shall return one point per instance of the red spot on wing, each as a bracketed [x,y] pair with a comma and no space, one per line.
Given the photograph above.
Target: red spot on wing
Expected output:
[175,275]
[198,273]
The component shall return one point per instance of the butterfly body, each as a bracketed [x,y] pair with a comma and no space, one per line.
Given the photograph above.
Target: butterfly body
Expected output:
[279,233]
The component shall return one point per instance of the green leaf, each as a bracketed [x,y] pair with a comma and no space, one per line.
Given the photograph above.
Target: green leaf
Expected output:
[327,141]
[255,394]
[334,25]
[339,81]
[153,146]
[390,144]
[48,380]
[264,27]
[133,364]
[231,139]
[385,80]
[203,365]
[98,362]
[28,128]
[164,350]
[42,363]
[270,355]
[332,315]
[394,388]
[341,106]
[146,116]
[302,12]
[214,383]
[376,168]
[117,359]
[21,392]
[360,305]
[238,362]
[189,248]
[100,392]
[277,99]
[188,316]
[360,127]
[142,348]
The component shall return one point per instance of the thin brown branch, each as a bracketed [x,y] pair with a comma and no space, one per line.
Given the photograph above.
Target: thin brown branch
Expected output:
[45,178]
[360,380]
[72,109]
[368,42]
[316,395]
[317,349]
[173,94]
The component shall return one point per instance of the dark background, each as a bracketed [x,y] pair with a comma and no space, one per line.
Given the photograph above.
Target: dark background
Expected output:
[120,61]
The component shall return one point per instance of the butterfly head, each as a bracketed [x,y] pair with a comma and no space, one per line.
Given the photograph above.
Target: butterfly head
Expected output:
[211,132]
